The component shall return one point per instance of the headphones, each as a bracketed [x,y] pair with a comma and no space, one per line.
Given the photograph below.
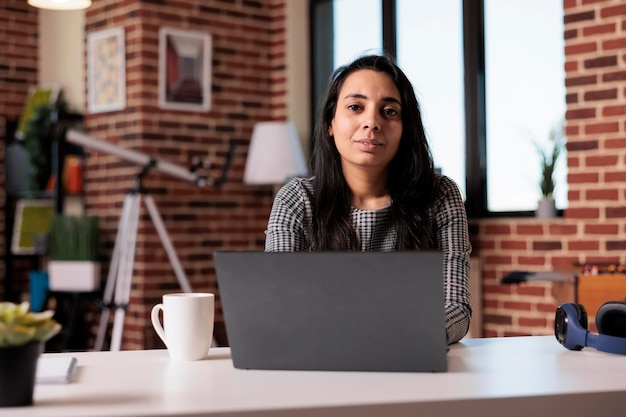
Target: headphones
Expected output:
[570,327]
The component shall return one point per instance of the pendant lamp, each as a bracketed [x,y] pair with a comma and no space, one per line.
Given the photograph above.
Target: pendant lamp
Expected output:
[60,4]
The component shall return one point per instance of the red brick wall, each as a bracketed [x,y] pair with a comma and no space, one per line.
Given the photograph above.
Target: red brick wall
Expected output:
[248,81]
[249,85]
[18,72]
[594,227]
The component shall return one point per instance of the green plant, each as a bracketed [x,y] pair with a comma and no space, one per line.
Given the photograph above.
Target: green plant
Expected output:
[549,156]
[37,143]
[74,238]
[18,326]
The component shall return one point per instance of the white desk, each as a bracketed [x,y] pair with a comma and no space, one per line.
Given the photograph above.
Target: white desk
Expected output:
[521,376]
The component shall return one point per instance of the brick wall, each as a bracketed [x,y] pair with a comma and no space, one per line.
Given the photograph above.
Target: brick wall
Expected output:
[18,72]
[249,85]
[248,80]
[594,227]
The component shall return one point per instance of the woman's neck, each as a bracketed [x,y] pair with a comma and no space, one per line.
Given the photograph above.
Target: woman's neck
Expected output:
[369,189]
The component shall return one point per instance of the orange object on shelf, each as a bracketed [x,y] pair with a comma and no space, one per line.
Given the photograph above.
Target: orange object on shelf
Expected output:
[73,175]
[594,290]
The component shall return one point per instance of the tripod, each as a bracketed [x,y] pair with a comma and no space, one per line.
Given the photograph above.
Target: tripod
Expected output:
[120,273]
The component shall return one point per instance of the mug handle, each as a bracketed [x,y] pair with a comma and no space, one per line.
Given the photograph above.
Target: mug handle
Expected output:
[156,323]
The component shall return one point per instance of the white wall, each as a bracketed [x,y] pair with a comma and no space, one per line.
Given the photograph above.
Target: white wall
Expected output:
[62,53]
[298,69]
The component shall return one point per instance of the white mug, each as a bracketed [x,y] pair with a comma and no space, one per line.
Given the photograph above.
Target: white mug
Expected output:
[187,329]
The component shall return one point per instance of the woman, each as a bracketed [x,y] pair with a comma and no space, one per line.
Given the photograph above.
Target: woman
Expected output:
[374,186]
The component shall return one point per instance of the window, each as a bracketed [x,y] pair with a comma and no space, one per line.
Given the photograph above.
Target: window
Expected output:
[488,86]
[340,35]
[436,71]
[525,98]
[355,35]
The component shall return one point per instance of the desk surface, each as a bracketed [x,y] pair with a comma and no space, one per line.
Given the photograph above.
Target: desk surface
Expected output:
[518,376]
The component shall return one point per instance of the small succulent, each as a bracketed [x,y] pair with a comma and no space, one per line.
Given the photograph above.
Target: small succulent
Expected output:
[18,326]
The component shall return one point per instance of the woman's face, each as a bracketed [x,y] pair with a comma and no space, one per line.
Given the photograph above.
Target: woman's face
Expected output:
[367,125]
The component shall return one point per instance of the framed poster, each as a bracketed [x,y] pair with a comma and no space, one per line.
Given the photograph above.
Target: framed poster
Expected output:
[106,66]
[184,70]
[33,221]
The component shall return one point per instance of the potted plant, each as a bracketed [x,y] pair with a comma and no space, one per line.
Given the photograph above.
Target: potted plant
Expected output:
[549,156]
[38,143]
[73,264]
[22,337]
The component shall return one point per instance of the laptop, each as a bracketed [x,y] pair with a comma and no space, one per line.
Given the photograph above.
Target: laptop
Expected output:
[334,311]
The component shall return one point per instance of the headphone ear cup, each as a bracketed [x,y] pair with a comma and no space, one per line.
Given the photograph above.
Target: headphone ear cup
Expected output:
[611,319]
[582,315]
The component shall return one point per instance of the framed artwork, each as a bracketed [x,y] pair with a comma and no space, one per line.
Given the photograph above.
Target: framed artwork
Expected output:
[184,70]
[33,221]
[106,66]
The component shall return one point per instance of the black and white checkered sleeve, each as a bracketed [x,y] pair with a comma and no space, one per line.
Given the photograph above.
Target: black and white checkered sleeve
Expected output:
[453,240]
[285,229]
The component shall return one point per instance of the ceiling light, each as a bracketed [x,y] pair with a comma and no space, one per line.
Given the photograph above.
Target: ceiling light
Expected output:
[60,4]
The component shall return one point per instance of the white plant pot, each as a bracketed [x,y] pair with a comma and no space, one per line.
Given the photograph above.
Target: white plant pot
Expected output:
[74,276]
[546,208]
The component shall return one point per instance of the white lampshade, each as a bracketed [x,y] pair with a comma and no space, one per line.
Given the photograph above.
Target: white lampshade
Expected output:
[275,154]
[60,4]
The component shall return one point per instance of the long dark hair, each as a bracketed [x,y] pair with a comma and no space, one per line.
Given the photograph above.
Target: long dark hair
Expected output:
[411,175]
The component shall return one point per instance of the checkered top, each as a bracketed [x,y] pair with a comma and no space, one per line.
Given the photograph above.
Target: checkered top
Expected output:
[290,228]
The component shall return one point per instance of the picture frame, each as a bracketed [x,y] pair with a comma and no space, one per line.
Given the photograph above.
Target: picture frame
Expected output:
[106,66]
[184,69]
[33,221]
